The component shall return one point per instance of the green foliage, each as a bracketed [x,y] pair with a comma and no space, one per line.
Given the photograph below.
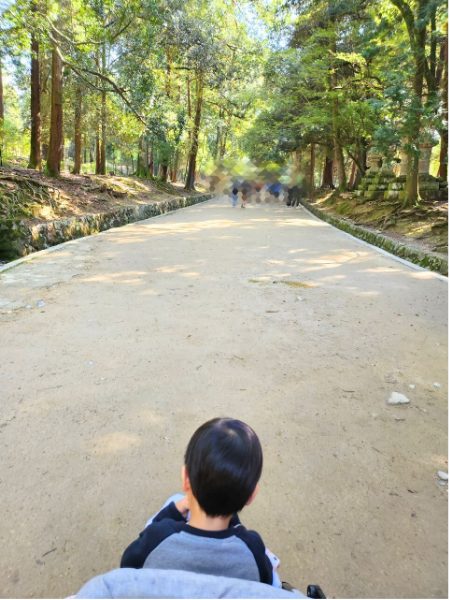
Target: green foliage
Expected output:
[276,76]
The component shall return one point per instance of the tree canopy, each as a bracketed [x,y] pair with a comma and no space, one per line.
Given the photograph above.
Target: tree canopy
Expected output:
[174,88]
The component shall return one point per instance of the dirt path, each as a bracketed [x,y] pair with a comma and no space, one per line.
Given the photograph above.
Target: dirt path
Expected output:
[115,347]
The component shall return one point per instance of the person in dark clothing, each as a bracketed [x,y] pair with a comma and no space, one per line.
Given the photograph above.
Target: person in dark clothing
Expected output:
[246,189]
[234,195]
[201,531]
[293,195]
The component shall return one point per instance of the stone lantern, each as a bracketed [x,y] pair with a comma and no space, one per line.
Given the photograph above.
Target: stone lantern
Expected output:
[403,164]
[425,157]
[374,161]
[387,168]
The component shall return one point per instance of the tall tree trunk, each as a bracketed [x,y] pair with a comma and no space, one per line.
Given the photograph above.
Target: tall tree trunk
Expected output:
[416,26]
[188,89]
[97,150]
[56,143]
[225,133]
[141,166]
[327,175]
[168,77]
[223,145]
[443,156]
[102,166]
[174,169]
[77,127]
[218,140]
[189,115]
[360,164]
[103,119]
[100,137]
[163,170]
[85,148]
[338,154]
[217,143]
[337,148]
[46,82]
[312,166]
[150,162]
[35,103]
[351,181]
[2,114]
[412,169]
[190,177]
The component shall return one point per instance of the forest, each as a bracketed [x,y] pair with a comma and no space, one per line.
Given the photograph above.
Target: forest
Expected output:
[314,92]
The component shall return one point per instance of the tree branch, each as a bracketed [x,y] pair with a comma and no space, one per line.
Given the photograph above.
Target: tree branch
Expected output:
[224,108]
[119,91]
[408,17]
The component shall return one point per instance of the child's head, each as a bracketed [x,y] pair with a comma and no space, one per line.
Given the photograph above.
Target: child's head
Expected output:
[223,463]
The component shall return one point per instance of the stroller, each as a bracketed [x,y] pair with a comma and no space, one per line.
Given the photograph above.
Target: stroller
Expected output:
[165,583]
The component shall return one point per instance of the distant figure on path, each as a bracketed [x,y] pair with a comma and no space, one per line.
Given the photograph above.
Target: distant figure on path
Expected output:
[275,189]
[293,196]
[246,189]
[258,187]
[234,195]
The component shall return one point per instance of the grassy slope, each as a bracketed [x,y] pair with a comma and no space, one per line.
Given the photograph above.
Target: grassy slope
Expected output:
[424,226]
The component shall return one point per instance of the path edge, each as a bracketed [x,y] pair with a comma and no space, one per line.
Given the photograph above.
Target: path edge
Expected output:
[80,226]
[424,259]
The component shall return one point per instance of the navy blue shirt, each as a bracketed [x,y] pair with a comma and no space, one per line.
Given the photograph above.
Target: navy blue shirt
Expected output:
[169,542]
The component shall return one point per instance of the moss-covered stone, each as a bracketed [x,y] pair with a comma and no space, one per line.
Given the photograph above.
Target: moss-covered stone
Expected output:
[16,239]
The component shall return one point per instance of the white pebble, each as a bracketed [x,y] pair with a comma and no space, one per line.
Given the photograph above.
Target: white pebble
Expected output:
[442,475]
[436,385]
[397,398]
[40,303]
[412,386]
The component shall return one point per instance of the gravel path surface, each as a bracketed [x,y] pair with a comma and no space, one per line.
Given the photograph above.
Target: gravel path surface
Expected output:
[114,348]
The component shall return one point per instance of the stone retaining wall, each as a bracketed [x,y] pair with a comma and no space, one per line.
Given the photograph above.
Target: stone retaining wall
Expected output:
[50,233]
[428,260]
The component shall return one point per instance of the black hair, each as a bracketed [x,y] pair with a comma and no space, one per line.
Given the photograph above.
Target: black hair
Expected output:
[224,463]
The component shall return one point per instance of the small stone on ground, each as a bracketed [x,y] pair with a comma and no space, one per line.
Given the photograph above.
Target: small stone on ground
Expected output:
[397,398]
